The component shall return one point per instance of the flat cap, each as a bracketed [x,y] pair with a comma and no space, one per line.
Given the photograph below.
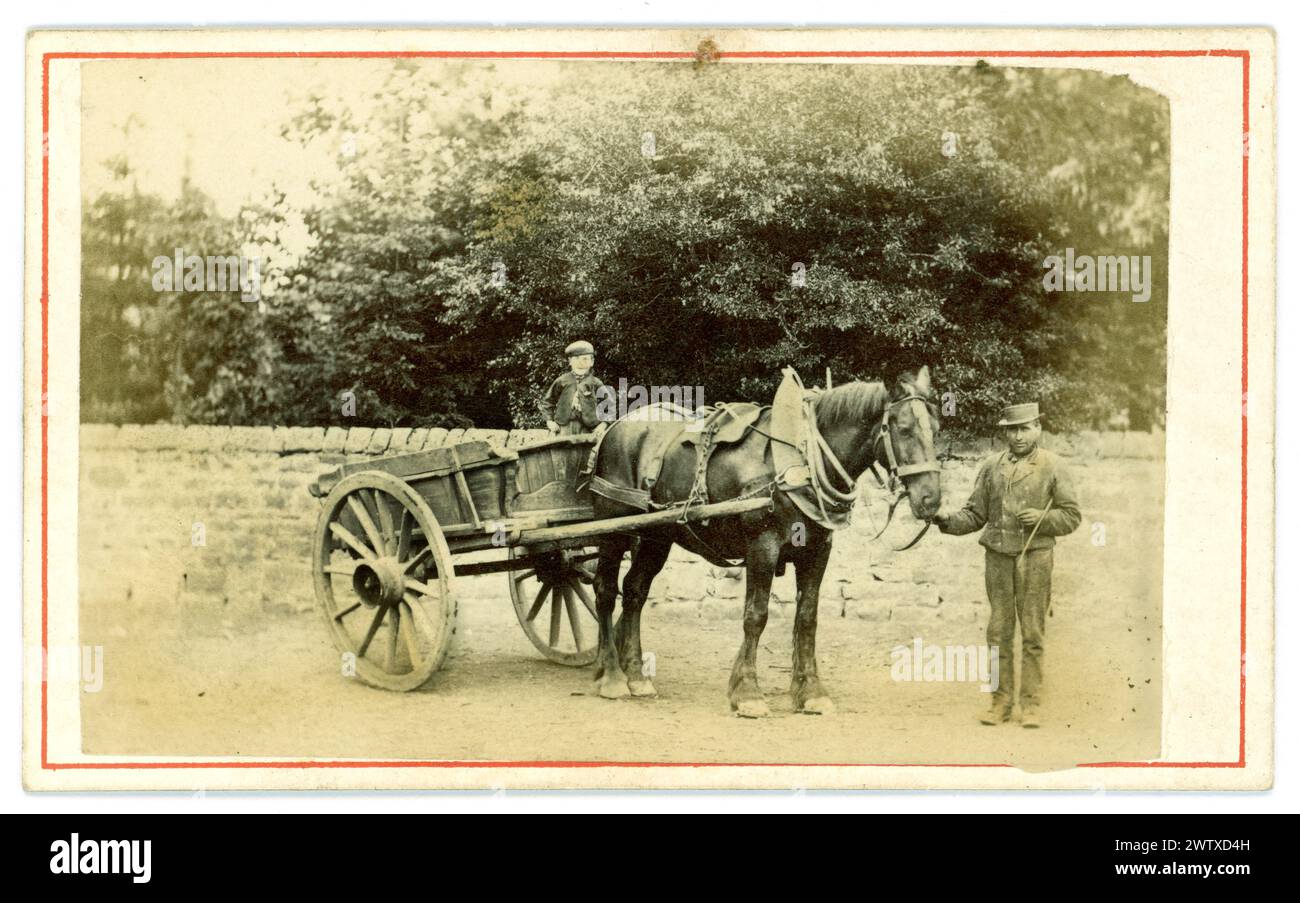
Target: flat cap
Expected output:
[1016,414]
[578,348]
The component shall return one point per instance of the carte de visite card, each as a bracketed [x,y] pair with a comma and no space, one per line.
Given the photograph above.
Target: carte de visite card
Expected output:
[680,408]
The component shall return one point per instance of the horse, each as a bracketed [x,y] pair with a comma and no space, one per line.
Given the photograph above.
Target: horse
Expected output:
[861,423]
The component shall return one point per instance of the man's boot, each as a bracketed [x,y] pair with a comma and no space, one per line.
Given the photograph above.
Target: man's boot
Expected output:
[997,713]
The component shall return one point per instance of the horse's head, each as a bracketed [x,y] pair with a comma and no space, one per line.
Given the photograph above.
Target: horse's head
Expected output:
[905,441]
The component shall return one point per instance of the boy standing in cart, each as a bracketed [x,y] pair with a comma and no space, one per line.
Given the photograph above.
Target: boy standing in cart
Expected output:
[1023,499]
[569,405]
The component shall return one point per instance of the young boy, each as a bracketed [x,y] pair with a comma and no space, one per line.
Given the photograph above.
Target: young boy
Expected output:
[1023,500]
[569,406]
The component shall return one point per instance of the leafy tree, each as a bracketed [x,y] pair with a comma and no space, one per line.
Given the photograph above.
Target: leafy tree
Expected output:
[703,226]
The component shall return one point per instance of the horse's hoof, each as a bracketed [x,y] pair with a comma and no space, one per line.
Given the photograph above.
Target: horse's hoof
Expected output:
[614,689]
[642,689]
[820,705]
[751,708]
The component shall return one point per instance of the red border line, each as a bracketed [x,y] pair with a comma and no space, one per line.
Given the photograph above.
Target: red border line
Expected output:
[45,388]
[470,763]
[645,55]
[1245,369]
[1244,55]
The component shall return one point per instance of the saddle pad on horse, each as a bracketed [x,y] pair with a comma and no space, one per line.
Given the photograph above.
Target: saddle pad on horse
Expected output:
[726,423]
[705,429]
[792,450]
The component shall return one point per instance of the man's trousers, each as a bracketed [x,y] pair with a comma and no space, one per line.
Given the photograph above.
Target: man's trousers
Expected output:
[1021,593]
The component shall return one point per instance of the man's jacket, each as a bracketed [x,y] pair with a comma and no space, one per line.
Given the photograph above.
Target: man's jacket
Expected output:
[1005,487]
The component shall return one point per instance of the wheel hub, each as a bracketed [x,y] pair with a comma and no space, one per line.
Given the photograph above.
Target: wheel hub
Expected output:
[379,582]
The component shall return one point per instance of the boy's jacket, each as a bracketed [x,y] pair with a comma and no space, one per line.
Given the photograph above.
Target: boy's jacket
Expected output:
[572,397]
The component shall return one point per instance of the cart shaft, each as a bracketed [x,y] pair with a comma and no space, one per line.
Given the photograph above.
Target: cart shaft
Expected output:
[635,522]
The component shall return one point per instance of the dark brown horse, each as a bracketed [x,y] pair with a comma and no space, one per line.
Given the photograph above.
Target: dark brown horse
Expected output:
[852,418]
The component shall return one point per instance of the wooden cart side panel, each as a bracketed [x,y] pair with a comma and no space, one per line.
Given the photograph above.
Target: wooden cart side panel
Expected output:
[487,489]
[431,462]
[536,470]
[547,477]
[473,485]
[443,497]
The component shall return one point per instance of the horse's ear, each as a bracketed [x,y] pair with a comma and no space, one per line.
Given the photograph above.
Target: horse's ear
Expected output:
[923,380]
[909,380]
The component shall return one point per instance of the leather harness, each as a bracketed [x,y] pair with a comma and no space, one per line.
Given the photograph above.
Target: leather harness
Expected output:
[808,476]
[897,471]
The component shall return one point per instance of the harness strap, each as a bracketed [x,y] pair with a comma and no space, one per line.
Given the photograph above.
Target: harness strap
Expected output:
[818,453]
[703,452]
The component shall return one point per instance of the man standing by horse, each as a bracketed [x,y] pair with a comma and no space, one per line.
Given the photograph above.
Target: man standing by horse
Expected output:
[1024,500]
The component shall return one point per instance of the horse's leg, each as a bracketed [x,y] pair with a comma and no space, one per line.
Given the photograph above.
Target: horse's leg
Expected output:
[612,683]
[760,564]
[648,559]
[805,687]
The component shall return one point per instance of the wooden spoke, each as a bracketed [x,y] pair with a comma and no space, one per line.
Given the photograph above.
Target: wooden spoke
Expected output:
[357,545]
[575,624]
[523,575]
[347,611]
[404,535]
[423,589]
[367,524]
[556,609]
[394,626]
[583,564]
[412,642]
[370,634]
[415,562]
[385,523]
[538,602]
[343,570]
[585,596]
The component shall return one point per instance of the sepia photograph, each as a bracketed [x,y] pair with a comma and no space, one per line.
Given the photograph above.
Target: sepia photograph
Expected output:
[551,412]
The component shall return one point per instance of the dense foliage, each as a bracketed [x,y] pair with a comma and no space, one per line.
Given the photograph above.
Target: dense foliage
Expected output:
[702,226]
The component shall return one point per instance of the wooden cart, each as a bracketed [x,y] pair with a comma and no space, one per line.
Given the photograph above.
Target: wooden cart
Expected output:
[394,533]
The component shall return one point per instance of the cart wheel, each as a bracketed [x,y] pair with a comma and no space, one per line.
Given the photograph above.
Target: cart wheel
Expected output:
[383,581]
[556,605]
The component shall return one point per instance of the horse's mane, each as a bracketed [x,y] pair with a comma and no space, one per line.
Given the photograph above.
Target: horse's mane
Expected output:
[854,402]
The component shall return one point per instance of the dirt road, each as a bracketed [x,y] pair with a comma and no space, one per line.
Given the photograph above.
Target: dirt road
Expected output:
[271,687]
[278,693]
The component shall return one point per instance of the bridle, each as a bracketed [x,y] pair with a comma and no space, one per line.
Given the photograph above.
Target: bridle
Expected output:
[885,435]
[823,477]
[891,478]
